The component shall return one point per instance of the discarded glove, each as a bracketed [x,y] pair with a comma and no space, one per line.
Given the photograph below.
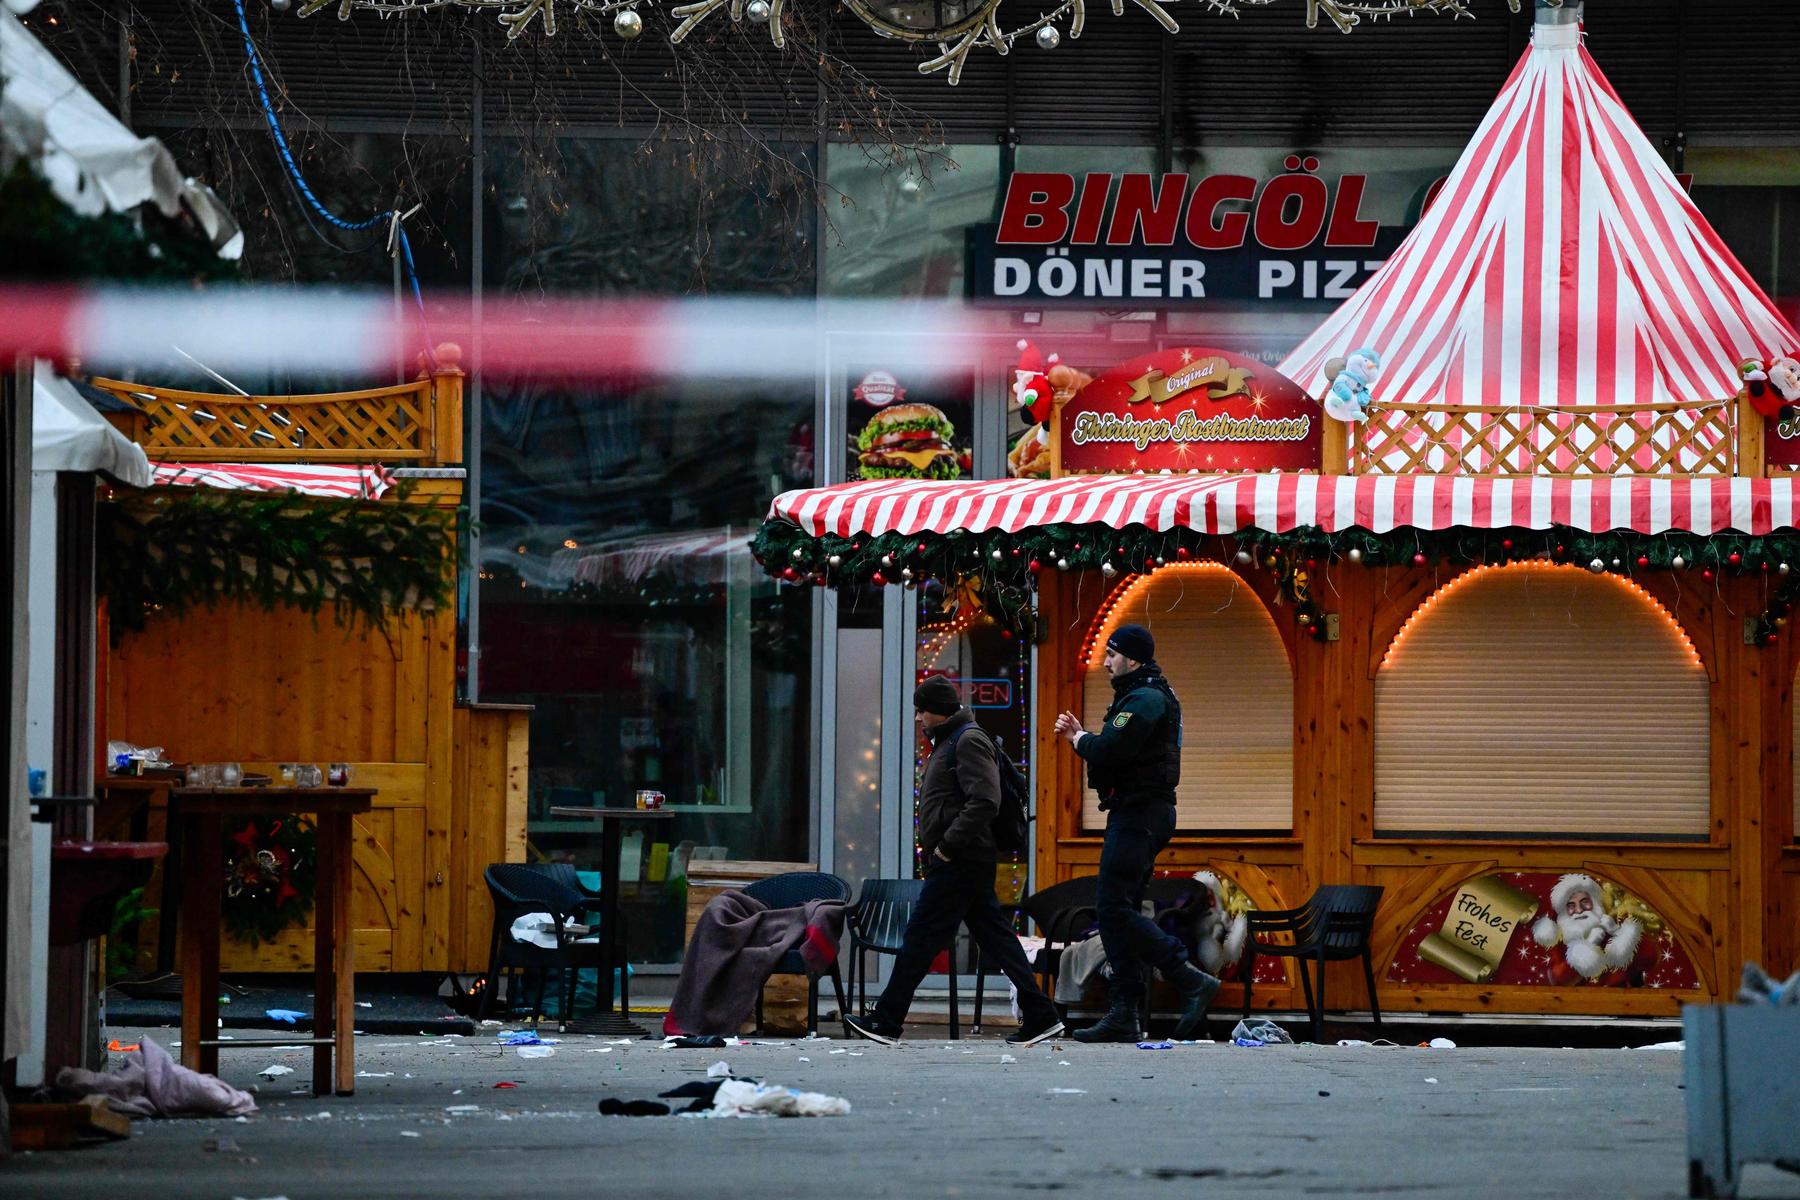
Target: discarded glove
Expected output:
[1260,1032]
[612,1106]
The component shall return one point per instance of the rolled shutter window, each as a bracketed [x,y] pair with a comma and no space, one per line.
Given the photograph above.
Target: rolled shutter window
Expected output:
[1534,698]
[1228,666]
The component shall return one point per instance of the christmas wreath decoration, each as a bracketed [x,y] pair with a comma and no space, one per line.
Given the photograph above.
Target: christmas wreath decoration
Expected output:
[271,866]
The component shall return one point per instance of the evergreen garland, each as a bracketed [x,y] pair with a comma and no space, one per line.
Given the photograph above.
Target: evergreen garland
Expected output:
[1008,563]
[169,551]
[41,238]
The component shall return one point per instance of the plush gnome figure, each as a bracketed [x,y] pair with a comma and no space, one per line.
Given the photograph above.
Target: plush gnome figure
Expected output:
[1593,940]
[1222,933]
[1031,387]
[1784,373]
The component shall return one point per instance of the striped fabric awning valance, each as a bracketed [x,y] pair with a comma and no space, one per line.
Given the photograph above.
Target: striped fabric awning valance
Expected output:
[1278,503]
[357,482]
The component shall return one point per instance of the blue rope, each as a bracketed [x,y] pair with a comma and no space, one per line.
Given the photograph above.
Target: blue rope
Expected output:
[306,192]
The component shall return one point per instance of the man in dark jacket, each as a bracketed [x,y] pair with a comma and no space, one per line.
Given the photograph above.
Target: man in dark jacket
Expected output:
[959,796]
[1134,763]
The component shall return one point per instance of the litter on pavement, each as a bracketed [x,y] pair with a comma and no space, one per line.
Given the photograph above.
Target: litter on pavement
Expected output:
[539,1051]
[285,1015]
[275,1070]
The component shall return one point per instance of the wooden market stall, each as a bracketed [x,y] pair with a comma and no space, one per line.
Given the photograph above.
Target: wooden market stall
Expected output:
[262,687]
[1514,646]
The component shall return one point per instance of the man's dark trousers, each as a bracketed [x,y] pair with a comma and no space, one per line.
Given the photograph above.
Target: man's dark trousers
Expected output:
[959,893]
[1135,835]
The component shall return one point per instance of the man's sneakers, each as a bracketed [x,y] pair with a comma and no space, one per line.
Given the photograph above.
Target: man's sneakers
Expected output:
[1031,1035]
[1197,989]
[875,1031]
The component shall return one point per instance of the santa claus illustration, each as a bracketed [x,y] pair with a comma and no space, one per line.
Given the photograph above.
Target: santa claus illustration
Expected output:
[1221,931]
[1594,940]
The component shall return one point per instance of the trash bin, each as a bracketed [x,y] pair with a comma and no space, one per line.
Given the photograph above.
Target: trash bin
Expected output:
[1743,1091]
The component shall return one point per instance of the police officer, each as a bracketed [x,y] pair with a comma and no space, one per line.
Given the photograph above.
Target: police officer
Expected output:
[1134,763]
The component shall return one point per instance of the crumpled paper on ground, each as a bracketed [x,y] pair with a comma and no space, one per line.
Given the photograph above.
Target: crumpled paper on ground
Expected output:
[539,929]
[151,1084]
[743,1098]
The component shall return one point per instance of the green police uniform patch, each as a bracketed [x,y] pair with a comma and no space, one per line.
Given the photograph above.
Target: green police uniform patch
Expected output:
[1119,721]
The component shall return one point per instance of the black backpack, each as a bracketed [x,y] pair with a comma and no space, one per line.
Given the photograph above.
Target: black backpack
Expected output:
[1012,834]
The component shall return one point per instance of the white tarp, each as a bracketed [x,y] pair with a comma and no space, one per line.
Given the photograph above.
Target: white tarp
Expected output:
[90,160]
[68,435]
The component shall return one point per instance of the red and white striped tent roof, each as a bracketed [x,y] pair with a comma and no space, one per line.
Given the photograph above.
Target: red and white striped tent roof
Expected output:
[1278,503]
[1561,264]
[346,482]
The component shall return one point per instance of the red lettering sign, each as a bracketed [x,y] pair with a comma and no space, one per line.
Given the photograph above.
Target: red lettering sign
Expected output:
[1290,212]
[1188,411]
[1036,209]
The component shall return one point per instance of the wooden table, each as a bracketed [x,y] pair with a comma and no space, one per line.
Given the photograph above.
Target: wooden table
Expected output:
[196,824]
[606,1020]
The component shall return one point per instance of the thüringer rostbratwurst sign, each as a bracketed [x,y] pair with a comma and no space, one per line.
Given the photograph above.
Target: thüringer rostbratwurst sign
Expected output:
[1187,410]
[1175,239]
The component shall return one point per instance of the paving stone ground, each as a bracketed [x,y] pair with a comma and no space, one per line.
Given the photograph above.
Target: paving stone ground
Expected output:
[929,1118]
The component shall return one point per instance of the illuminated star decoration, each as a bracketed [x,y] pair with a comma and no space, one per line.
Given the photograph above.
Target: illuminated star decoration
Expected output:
[976,27]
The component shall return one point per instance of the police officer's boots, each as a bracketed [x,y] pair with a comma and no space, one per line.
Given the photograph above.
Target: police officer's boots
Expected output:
[1120,1024]
[1197,989]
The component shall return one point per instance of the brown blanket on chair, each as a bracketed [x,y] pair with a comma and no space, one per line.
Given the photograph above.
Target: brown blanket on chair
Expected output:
[736,944]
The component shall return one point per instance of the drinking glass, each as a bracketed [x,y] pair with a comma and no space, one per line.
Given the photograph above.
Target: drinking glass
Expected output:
[231,774]
[307,775]
[196,775]
[212,774]
[339,775]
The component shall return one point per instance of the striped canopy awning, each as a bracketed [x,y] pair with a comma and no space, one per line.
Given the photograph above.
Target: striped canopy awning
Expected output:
[1561,264]
[1278,503]
[350,482]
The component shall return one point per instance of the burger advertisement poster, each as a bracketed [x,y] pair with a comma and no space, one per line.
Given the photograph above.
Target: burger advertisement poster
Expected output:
[909,441]
[1188,410]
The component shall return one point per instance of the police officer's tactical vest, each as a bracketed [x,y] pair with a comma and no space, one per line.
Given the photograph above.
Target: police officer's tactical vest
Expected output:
[1159,767]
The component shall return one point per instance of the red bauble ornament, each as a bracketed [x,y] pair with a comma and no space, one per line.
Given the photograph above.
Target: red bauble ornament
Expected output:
[1706,574]
[1149,564]
[1506,545]
[921,547]
[878,579]
[1034,566]
[1560,552]
[1419,560]
[1312,564]
[1016,552]
[1183,553]
[1643,561]
[1734,558]
[790,574]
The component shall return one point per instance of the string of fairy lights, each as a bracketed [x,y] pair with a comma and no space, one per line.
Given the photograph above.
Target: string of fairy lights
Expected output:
[957,31]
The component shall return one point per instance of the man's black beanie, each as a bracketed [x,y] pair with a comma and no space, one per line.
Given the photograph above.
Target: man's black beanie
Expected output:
[937,695]
[1134,642]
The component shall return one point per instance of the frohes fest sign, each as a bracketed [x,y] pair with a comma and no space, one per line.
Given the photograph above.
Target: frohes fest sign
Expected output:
[1175,239]
[1186,410]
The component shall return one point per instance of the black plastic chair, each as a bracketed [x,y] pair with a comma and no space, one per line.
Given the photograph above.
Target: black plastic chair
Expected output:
[1332,926]
[1062,913]
[519,889]
[791,891]
[878,923]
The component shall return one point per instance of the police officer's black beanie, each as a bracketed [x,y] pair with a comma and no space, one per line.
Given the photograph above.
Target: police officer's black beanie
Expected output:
[1134,642]
[937,695]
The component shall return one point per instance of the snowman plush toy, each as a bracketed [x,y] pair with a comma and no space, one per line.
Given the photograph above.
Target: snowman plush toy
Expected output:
[1348,398]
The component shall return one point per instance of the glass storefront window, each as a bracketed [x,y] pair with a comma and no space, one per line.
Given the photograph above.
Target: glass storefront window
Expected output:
[619,598]
[898,232]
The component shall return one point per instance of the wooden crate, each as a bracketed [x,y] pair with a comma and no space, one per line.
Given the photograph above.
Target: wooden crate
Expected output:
[784,996]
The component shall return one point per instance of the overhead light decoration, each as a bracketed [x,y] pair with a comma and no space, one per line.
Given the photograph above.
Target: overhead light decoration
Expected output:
[956,27]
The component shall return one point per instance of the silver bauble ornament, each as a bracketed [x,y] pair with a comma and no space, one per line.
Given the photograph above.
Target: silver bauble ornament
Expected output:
[281,5]
[1062,564]
[1108,570]
[757,10]
[799,554]
[1597,566]
[835,560]
[1048,38]
[1615,564]
[907,573]
[1678,562]
[627,24]
[1354,556]
[1242,556]
[1783,568]
[996,556]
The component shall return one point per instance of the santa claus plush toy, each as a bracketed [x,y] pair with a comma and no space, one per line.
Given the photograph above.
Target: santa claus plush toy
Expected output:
[1222,935]
[1031,387]
[1593,940]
